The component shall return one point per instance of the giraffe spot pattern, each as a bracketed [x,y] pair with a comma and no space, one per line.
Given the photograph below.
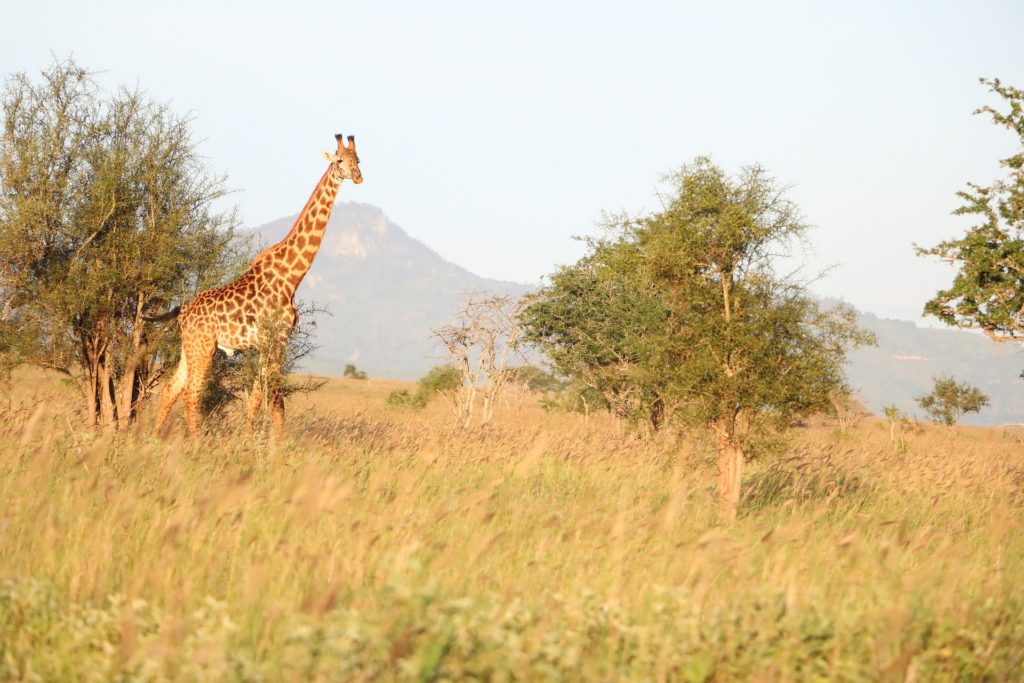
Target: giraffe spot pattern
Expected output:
[233,311]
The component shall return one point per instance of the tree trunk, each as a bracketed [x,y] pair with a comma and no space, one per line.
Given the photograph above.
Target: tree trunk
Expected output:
[657,414]
[89,394]
[492,392]
[488,408]
[90,370]
[97,385]
[105,394]
[129,385]
[468,402]
[730,474]
[126,398]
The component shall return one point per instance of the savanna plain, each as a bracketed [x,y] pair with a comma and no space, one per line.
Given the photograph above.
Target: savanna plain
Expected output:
[378,544]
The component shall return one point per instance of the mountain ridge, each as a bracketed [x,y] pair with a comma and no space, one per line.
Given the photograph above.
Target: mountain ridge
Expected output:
[372,271]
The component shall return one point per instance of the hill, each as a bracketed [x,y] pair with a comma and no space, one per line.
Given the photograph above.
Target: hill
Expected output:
[907,357]
[385,289]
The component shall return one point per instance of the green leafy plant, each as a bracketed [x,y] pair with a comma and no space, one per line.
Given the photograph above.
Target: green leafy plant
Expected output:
[403,398]
[233,377]
[680,316]
[107,209]
[987,293]
[441,379]
[352,372]
[536,379]
[950,400]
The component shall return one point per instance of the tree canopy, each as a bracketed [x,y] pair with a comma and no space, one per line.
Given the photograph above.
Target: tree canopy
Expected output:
[987,293]
[950,400]
[106,209]
[680,316]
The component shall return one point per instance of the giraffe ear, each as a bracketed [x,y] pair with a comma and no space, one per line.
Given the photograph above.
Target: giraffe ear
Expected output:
[326,156]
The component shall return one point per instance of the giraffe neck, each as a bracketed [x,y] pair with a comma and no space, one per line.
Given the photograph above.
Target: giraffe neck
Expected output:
[300,246]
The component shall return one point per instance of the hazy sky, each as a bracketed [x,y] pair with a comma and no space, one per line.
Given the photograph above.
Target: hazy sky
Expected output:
[494,132]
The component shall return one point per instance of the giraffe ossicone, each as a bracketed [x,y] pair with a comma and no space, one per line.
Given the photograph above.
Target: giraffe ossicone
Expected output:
[257,310]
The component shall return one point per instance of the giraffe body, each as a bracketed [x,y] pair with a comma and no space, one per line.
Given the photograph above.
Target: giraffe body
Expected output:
[237,315]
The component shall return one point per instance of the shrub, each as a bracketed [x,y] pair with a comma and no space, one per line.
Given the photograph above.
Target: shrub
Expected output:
[403,398]
[439,380]
[352,373]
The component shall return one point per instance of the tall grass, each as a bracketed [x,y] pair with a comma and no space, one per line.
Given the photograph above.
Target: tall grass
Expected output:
[375,544]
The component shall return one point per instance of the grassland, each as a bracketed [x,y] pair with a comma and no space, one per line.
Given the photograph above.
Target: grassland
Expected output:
[374,544]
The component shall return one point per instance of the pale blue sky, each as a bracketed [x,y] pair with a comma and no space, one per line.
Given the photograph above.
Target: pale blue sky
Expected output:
[494,132]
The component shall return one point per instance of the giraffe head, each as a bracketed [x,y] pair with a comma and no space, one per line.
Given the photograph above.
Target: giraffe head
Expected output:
[345,162]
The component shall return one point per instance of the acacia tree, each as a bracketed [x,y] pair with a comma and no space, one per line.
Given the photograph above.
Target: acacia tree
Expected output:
[987,293]
[106,209]
[601,321]
[950,400]
[680,317]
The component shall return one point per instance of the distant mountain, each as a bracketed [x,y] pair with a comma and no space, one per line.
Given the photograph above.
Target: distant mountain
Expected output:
[385,290]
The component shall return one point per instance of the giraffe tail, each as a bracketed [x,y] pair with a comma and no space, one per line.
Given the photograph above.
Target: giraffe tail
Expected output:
[173,313]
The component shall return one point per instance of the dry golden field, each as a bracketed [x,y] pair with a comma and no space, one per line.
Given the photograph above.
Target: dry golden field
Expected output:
[375,544]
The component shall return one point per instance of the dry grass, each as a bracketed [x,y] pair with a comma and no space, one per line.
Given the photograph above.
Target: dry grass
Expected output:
[378,545]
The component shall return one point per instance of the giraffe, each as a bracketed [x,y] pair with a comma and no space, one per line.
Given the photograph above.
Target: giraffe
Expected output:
[235,316]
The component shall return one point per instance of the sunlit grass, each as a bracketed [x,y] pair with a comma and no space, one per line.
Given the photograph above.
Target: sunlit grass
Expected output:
[376,544]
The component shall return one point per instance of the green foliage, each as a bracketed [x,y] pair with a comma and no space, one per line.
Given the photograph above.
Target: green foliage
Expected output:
[599,322]
[81,642]
[106,210]
[950,400]
[417,633]
[353,373]
[232,377]
[892,413]
[536,379]
[12,349]
[441,379]
[680,314]
[403,398]
[988,290]
[574,397]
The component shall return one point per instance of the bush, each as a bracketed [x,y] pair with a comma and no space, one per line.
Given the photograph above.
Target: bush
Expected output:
[352,373]
[439,380]
[402,398]
[232,377]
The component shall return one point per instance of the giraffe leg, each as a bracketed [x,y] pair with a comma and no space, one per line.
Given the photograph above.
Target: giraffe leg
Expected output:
[275,378]
[277,410]
[171,392]
[200,355]
[255,403]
